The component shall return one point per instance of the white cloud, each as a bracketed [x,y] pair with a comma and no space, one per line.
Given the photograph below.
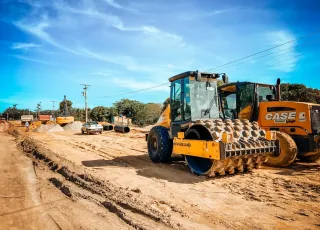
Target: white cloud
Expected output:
[117,23]
[116,5]
[150,30]
[38,30]
[286,61]
[32,60]
[23,46]
[206,14]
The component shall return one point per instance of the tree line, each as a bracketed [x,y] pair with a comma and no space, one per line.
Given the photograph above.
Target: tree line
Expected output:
[140,113]
[148,113]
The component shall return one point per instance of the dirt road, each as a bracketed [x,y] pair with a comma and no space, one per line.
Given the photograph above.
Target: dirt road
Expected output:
[21,207]
[108,181]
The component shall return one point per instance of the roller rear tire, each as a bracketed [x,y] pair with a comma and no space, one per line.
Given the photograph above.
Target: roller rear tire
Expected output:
[159,145]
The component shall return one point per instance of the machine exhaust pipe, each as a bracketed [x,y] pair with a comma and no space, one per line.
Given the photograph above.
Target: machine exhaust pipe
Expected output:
[121,129]
[278,88]
[108,127]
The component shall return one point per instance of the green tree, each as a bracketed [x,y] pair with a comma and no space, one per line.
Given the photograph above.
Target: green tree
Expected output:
[101,113]
[128,108]
[78,114]
[299,92]
[15,114]
[165,104]
[148,114]
[220,83]
[61,106]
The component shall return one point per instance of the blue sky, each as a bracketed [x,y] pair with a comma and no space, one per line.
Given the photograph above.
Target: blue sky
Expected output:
[48,48]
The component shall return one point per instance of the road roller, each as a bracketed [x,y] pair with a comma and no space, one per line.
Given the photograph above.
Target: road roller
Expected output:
[192,126]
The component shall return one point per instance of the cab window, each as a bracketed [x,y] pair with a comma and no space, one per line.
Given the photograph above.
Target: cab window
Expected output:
[186,98]
[265,92]
[245,102]
[176,100]
[229,105]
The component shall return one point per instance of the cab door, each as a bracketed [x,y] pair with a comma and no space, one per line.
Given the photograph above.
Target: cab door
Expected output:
[245,100]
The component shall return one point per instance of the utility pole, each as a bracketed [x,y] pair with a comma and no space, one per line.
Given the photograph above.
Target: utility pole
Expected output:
[53,107]
[38,108]
[84,93]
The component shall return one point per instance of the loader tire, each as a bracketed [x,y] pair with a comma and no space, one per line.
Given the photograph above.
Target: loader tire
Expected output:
[159,145]
[312,158]
[288,152]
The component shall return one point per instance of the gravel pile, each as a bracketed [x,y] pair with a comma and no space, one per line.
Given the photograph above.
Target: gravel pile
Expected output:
[55,129]
[73,126]
[43,128]
[52,128]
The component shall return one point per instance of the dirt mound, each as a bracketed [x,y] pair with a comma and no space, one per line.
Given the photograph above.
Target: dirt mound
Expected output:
[52,128]
[73,126]
[51,123]
[55,128]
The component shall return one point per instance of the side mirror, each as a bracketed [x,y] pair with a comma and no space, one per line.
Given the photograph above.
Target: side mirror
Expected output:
[225,79]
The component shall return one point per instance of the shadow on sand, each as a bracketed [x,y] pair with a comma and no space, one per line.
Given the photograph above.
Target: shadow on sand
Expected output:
[178,171]
[299,169]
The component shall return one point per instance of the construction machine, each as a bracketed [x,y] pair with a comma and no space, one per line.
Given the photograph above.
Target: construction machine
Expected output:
[64,118]
[191,127]
[297,123]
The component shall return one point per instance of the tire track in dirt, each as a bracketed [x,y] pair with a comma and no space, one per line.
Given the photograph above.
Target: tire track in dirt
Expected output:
[115,199]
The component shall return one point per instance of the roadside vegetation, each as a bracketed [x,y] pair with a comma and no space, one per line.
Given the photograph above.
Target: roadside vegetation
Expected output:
[148,113]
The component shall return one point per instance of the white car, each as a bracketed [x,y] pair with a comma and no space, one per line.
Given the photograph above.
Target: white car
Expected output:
[91,127]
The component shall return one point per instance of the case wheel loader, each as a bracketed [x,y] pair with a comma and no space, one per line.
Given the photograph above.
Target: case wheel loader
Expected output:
[297,123]
[191,126]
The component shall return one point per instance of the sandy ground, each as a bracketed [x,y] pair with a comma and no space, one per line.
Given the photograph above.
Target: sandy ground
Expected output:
[20,204]
[108,182]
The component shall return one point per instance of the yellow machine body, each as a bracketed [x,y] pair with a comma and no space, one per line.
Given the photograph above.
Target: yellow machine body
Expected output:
[197,148]
[294,114]
[164,119]
[205,149]
[64,120]
[192,128]
[300,120]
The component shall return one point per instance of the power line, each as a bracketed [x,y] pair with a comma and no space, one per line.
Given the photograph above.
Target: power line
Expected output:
[136,90]
[256,59]
[271,48]
[234,61]
[262,57]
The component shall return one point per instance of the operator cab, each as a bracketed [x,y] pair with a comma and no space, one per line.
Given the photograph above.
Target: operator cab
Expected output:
[194,96]
[241,99]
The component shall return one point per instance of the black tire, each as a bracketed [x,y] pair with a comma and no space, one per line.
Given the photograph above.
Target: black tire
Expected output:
[192,134]
[82,131]
[100,132]
[288,152]
[312,158]
[159,145]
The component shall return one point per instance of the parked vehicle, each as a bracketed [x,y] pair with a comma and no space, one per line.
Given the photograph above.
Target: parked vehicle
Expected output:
[26,118]
[44,118]
[91,127]
[2,120]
